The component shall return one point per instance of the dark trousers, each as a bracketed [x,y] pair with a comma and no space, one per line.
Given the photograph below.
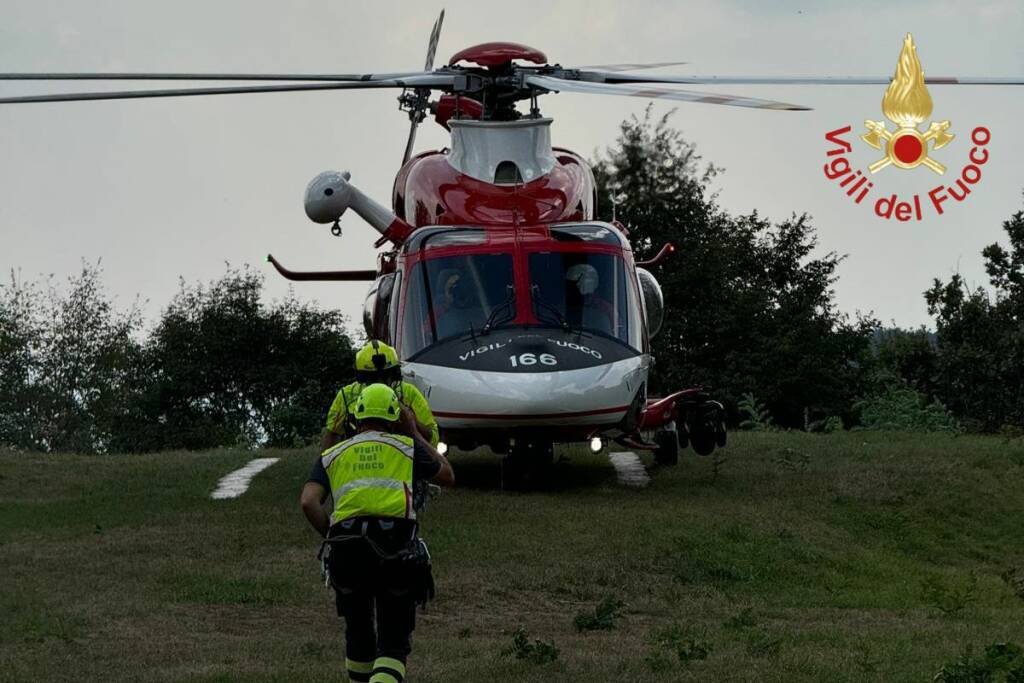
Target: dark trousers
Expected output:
[375,597]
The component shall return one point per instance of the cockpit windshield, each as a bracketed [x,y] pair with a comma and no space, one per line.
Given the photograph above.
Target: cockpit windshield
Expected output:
[585,291]
[465,293]
[460,282]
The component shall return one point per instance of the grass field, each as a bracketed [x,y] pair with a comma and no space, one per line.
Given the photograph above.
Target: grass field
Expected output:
[848,557]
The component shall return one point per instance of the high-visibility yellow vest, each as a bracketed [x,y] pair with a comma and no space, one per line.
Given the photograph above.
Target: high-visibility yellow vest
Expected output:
[371,475]
[340,413]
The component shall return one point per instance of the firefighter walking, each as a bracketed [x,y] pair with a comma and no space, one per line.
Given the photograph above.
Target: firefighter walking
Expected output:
[376,363]
[376,562]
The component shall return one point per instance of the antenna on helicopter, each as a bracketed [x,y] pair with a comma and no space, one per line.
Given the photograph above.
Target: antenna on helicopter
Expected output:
[417,100]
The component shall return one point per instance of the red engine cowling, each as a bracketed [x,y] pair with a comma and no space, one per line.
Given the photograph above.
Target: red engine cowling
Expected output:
[430,191]
[452,106]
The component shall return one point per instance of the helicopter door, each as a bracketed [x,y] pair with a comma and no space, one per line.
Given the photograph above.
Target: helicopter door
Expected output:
[375,308]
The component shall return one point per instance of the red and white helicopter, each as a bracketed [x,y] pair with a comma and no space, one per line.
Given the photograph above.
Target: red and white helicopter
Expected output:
[525,321]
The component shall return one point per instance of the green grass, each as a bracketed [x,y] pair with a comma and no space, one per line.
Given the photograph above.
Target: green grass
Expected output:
[846,557]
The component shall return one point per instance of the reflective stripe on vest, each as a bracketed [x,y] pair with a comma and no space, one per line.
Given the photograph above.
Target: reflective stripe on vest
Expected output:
[334,451]
[369,484]
[371,475]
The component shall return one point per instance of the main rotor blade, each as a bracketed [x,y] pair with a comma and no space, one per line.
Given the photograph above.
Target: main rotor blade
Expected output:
[627,67]
[609,77]
[440,82]
[204,77]
[418,112]
[435,36]
[557,84]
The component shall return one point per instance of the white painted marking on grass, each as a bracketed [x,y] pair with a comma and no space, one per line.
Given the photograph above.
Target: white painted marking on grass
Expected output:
[236,483]
[629,469]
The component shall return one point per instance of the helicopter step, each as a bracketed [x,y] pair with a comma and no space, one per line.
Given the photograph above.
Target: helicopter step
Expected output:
[629,469]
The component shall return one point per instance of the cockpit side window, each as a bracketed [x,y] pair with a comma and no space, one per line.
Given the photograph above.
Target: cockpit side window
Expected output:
[393,331]
[375,307]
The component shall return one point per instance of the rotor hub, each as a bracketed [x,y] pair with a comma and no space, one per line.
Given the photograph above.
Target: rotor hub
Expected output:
[498,54]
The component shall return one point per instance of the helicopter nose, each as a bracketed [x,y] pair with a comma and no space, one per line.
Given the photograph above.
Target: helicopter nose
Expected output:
[598,395]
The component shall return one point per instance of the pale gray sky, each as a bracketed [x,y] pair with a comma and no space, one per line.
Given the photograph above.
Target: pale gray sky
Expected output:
[165,188]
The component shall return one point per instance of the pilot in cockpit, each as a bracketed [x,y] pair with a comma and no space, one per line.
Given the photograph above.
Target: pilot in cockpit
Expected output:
[584,307]
[459,307]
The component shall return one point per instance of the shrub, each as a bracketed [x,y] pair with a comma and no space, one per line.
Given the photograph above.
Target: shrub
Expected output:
[1000,662]
[602,618]
[688,645]
[904,409]
[755,414]
[537,652]
[829,425]
[949,599]
[1014,578]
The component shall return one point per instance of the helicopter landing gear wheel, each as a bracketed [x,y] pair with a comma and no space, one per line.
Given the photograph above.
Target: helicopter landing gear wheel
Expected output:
[527,466]
[667,452]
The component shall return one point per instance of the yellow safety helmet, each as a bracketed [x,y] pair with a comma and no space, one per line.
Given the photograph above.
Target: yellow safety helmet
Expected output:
[377,401]
[376,356]
[376,363]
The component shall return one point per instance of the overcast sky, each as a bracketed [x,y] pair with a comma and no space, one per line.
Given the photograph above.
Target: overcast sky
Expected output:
[170,188]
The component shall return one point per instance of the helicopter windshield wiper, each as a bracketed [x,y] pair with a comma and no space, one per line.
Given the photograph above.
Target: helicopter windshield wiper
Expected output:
[541,303]
[493,320]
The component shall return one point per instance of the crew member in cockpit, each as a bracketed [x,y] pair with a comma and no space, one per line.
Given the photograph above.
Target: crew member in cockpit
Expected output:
[459,308]
[584,307]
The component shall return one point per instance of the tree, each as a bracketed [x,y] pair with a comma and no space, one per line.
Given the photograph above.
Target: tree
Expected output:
[19,338]
[981,337]
[751,307]
[69,365]
[903,357]
[227,369]
[220,368]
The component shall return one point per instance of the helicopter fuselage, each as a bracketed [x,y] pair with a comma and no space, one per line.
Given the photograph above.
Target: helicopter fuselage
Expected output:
[511,307]
[522,318]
